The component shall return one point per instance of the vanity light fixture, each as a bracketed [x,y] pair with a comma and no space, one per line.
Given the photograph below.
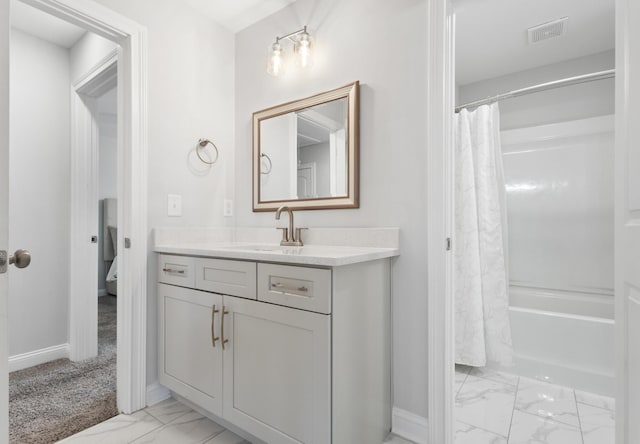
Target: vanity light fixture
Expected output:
[301,48]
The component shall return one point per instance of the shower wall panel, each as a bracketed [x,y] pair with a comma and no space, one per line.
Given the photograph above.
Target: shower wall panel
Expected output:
[559,181]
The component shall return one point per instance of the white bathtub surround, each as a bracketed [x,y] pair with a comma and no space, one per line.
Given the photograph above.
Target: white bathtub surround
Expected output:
[481,298]
[564,349]
[529,412]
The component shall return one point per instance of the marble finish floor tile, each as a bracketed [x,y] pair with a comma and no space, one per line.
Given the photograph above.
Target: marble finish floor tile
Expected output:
[119,429]
[468,434]
[227,437]
[395,439]
[603,402]
[191,428]
[458,380]
[598,425]
[495,375]
[548,401]
[168,410]
[485,404]
[532,429]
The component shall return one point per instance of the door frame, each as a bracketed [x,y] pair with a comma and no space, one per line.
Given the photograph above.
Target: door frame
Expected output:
[440,205]
[626,105]
[132,185]
[83,310]
[440,174]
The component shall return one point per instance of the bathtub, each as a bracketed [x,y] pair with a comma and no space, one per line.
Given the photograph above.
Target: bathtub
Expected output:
[574,350]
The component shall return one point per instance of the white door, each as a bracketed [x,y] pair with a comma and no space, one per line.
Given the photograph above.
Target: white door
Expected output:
[627,201]
[4,213]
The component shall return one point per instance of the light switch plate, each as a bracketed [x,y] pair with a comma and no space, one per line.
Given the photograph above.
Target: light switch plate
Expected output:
[174,205]
[228,208]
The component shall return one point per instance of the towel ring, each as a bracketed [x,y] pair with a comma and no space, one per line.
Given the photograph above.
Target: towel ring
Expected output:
[270,164]
[203,143]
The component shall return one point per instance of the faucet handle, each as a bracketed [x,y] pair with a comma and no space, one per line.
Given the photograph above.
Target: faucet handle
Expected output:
[285,234]
[298,235]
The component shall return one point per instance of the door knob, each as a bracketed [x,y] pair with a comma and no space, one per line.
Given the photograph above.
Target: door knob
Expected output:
[21,258]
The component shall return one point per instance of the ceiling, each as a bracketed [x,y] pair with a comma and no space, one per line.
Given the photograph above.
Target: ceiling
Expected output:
[43,25]
[491,35]
[236,15]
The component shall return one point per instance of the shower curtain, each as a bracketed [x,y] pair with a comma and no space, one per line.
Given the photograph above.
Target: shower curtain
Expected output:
[482,332]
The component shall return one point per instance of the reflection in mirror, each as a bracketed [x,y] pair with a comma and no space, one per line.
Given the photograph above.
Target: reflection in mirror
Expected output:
[308,153]
[304,153]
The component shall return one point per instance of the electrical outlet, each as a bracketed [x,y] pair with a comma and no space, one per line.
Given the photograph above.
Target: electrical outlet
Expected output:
[174,205]
[228,208]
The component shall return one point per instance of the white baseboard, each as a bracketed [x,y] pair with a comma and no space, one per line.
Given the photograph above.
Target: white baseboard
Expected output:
[409,426]
[26,360]
[156,393]
[102,292]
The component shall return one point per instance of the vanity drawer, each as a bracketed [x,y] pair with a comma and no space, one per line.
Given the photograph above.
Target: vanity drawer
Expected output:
[235,278]
[297,287]
[176,270]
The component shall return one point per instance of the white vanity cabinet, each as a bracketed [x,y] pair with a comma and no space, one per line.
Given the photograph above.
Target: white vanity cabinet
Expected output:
[190,365]
[298,354]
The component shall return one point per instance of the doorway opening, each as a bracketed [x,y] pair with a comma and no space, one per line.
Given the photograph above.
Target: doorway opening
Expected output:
[533,246]
[77,316]
[51,396]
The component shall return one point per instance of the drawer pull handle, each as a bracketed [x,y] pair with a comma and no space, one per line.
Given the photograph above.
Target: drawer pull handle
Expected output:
[213,326]
[280,286]
[224,341]
[171,270]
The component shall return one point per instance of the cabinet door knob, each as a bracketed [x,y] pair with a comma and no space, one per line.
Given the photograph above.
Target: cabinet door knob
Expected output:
[214,338]
[224,341]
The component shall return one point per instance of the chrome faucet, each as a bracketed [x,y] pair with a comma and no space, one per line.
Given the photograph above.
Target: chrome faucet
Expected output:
[290,238]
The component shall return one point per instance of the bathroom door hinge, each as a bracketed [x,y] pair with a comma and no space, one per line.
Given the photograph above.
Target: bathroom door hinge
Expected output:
[448,243]
[127,242]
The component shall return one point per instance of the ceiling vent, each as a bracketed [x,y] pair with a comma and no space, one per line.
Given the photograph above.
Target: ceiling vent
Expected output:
[547,30]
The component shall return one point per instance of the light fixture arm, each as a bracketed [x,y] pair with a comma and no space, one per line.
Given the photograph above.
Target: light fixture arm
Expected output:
[294,33]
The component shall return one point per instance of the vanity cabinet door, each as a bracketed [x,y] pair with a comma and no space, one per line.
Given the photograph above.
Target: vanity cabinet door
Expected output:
[277,377]
[189,363]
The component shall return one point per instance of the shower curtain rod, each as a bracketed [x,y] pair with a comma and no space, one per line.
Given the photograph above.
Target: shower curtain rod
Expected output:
[600,75]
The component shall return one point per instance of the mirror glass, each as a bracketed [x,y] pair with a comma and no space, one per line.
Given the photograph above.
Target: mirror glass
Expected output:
[305,153]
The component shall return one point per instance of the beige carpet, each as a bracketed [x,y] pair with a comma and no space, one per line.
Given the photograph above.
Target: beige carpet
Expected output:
[60,398]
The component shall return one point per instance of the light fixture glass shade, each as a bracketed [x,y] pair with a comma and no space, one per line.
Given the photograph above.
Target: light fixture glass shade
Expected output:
[275,64]
[303,51]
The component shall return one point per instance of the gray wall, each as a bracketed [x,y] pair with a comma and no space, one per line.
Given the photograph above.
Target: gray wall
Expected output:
[190,96]
[568,103]
[381,44]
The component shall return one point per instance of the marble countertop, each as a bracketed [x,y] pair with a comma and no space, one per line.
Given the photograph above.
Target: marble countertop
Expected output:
[323,255]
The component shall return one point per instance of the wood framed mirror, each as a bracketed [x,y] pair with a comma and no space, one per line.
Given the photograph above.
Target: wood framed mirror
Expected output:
[305,152]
